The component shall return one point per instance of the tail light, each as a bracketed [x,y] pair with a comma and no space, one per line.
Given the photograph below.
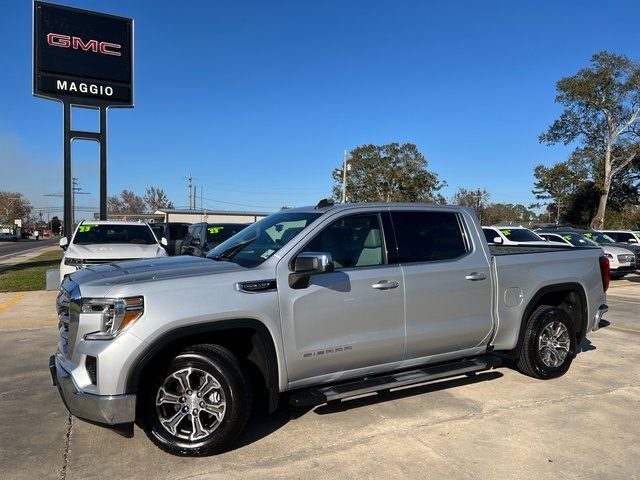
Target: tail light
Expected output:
[605,272]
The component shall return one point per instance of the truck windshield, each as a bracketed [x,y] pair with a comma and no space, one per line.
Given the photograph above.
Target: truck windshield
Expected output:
[520,235]
[91,233]
[259,241]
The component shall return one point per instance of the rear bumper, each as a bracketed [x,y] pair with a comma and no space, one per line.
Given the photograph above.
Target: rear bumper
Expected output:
[105,410]
[604,308]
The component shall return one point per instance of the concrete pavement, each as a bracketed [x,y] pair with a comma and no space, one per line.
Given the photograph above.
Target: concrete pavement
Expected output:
[498,424]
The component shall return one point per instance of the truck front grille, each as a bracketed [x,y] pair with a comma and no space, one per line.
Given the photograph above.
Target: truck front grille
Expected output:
[102,261]
[68,307]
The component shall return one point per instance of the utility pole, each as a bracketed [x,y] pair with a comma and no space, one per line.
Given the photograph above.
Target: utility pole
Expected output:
[190,192]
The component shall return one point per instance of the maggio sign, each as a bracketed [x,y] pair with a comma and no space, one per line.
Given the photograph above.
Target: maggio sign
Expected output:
[82,57]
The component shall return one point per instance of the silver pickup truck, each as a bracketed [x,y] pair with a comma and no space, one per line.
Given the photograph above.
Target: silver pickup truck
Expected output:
[323,303]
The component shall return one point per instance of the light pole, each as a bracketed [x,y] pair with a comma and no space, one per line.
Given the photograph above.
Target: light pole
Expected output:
[346,165]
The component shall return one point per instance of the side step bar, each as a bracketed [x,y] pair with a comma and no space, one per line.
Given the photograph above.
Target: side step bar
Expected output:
[320,395]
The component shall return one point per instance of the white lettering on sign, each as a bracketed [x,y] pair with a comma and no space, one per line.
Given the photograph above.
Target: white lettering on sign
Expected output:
[82,87]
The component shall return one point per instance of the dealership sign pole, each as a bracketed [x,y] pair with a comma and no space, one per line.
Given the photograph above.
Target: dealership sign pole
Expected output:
[85,59]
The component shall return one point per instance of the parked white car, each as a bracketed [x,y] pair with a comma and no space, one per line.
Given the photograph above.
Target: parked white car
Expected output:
[514,235]
[622,236]
[621,260]
[101,242]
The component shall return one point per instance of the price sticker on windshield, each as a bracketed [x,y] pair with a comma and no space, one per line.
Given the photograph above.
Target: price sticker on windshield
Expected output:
[85,228]
[214,230]
[506,232]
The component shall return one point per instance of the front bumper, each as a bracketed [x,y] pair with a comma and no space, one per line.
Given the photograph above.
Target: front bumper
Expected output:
[106,410]
[604,308]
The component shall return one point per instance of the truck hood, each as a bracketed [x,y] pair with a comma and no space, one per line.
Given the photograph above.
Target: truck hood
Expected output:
[114,251]
[145,271]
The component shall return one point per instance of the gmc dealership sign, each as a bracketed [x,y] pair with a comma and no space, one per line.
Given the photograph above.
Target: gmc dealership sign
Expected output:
[82,57]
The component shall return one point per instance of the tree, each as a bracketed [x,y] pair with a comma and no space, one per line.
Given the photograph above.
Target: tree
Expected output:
[601,112]
[155,198]
[476,199]
[127,203]
[557,184]
[388,173]
[13,206]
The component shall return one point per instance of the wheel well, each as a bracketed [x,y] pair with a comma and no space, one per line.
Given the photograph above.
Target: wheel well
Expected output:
[248,340]
[567,297]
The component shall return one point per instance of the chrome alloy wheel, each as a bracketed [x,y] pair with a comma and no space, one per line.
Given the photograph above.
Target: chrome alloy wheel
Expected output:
[191,404]
[554,344]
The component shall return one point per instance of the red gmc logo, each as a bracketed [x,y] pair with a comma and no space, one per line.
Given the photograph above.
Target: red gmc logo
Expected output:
[65,41]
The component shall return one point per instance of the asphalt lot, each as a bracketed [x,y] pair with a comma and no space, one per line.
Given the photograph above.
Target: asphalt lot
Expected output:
[499,424]
[8,249]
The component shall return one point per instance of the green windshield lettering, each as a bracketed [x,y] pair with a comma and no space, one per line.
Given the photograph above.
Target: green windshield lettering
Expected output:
[85,228]
[214,230]
[506,232]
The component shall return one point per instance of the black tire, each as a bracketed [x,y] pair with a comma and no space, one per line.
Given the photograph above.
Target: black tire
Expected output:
[224,367]
[533,360]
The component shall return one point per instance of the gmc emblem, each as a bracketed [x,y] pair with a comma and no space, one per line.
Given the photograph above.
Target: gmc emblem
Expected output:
[66,41]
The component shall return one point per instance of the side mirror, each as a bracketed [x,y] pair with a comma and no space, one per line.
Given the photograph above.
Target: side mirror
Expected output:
[633,240]
[163,242]
[307,264]
[497,240]
[64,243]
[195,242]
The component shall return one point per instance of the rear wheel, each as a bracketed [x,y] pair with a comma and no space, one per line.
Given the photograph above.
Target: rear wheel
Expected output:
[549,343]
[198,404]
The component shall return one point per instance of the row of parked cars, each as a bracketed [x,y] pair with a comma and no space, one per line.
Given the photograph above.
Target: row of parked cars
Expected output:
[103,242]
[621,247]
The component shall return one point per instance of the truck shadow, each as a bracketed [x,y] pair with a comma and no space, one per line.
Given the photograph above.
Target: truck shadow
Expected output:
[262,424]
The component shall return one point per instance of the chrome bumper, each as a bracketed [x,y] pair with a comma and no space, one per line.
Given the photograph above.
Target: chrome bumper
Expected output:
[102,409]
[604,308]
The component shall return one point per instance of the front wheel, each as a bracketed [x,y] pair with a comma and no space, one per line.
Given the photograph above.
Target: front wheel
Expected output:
[198,404]
[549,343]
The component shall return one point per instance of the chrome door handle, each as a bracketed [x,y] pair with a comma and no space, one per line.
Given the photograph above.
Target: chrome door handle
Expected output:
[385,285]
[475,276]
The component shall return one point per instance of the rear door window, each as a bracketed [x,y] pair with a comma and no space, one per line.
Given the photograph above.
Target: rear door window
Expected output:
[429,236]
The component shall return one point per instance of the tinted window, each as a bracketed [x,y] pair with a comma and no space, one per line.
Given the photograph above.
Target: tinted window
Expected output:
[428,236]
[158,231]
[520,235]
[217,234]
[354,241]
[88,234]
[177,231]
[490,234]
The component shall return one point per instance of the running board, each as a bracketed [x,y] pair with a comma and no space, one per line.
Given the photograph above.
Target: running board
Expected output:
[320,395]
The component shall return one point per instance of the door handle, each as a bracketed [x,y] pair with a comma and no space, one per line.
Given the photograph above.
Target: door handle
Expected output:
[385,285]
[475,276]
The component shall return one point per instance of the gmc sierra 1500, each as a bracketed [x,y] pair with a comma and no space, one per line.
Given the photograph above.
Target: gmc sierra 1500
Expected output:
[323,303]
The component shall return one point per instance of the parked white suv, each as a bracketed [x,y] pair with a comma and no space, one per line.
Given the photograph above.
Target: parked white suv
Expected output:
[514,235]
[101,242]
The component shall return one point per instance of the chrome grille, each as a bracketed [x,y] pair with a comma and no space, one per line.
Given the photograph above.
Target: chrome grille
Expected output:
[626,258]
[68,307]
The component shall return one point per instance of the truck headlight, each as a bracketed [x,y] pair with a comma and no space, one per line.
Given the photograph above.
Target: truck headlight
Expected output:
[116,313]
[608,255]
[73,262]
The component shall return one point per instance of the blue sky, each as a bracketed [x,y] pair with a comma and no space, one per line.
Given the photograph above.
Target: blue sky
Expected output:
[259,99]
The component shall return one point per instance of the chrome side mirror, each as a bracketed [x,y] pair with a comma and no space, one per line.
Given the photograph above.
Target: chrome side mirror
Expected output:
[163,242]
[307,264]
[64,243]
[497,240]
